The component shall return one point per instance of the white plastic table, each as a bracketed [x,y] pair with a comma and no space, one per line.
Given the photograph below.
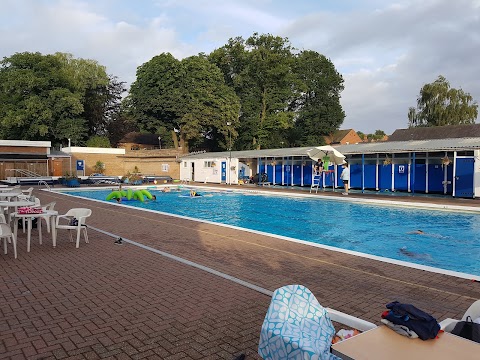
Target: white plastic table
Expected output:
[13,205]
[9,194]
[383,343]
[46,214]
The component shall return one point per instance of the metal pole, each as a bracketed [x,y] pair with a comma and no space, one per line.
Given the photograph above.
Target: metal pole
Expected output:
[363,173]
[413,172]
[70,149]
[230,136]
[230,156]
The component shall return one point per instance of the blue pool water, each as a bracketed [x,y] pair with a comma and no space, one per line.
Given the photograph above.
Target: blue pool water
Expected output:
[451,240]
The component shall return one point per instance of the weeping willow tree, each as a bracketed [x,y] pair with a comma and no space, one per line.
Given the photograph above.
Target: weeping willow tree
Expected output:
[439,104]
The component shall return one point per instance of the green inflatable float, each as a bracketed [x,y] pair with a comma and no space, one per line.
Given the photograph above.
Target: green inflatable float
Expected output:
[129,194]
[116,195]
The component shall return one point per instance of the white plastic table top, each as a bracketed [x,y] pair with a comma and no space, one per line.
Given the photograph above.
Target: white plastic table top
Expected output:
[384,343]
[9,194]
[16,203]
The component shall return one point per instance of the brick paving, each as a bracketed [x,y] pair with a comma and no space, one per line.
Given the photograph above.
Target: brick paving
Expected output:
[104,301]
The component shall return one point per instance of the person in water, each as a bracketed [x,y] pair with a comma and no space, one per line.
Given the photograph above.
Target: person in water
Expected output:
[193,193]
[418,232]
[119,200]
[154,197]
[413,255]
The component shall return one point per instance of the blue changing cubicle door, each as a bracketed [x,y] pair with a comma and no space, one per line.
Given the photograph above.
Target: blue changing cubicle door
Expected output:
[450,180]
[435,178]
[356,176]
[339,173]
[464,177]
[224,171]
[370,176]
[270,172]
[297,174]
[307,174]
[278,174]
[287,176]
[420,178]
[401,177]
[262,171]
[385,177]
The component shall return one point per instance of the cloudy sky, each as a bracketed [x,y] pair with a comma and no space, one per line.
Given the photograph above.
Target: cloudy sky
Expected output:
[385,50]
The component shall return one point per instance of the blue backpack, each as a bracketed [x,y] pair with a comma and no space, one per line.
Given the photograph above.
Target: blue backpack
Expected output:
[424,325]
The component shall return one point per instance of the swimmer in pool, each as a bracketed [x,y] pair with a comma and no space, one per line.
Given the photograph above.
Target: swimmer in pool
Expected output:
[193,193]
[418,232]
[413,255]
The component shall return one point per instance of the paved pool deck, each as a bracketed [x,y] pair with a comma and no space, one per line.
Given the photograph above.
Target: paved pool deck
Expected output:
[107,301]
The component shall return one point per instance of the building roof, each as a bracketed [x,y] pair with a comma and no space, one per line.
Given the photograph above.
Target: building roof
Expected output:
[140,138]
[411,146]
[436,132]
[339,135]
[382,147]
[22,143]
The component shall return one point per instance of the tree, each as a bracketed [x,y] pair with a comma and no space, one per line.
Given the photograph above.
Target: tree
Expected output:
[56,97]
[377,135]
[287,99]
[101,93]
[99,167]
[37,100]
[260,70]
[317,101]
[438,104]
[98,141]
[189,97]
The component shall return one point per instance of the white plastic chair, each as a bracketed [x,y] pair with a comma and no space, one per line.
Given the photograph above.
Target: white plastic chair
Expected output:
[80,214]
[473,311]
[25,194]
[6,233]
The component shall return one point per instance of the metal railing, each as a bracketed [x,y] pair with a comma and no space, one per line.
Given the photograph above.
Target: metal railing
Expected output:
[24,173]
[43,182]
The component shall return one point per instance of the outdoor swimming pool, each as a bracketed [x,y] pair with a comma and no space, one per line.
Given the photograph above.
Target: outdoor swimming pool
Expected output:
[451,240]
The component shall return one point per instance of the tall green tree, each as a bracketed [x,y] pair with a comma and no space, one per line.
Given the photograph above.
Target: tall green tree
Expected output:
[187,97]
[37,100]
[56,97]
[317,101]
[260,70]
[287,99]
[439,104]
[101,93]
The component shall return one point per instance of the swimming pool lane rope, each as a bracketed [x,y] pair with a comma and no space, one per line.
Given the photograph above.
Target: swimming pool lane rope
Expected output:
[384,277]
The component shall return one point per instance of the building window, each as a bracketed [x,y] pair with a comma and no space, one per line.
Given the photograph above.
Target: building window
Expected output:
[165,167]
[207,164]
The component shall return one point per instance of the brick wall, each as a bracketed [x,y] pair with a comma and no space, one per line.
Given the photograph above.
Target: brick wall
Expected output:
[148,162]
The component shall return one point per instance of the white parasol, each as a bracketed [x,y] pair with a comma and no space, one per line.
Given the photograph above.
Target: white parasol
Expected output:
[320,152]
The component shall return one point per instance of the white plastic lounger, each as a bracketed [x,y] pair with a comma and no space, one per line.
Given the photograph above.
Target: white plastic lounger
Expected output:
[473,311]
